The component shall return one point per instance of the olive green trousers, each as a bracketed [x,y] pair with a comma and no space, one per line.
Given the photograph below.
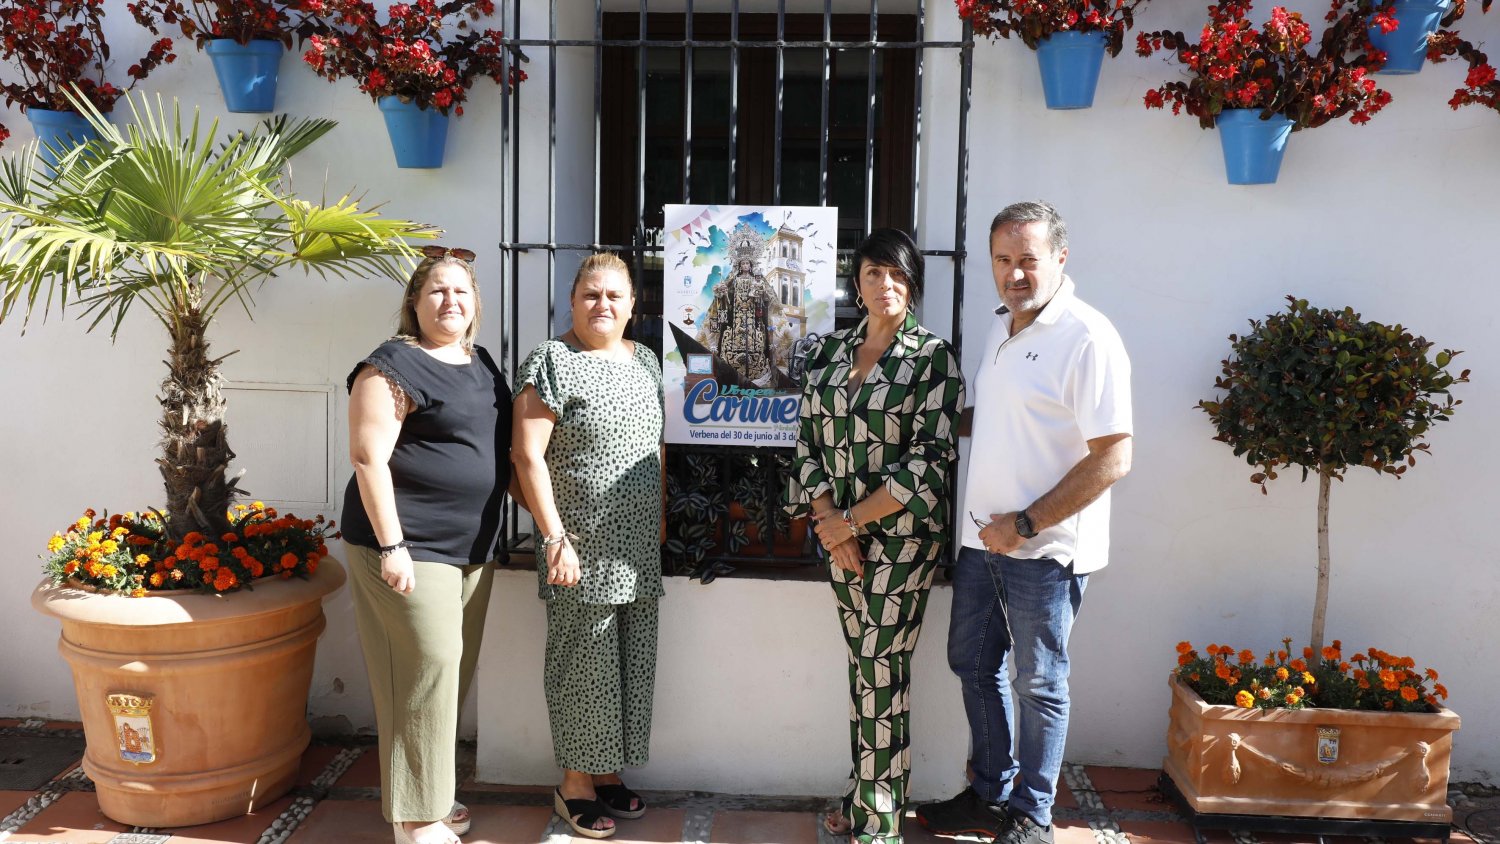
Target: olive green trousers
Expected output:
[420,652]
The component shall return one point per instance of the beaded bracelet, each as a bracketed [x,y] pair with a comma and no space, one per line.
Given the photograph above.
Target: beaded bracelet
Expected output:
[562,537]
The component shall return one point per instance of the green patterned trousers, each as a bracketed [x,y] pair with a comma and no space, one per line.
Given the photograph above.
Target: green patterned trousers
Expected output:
[882,616]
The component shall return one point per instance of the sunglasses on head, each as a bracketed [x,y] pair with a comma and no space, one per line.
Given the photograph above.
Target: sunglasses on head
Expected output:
[444,251]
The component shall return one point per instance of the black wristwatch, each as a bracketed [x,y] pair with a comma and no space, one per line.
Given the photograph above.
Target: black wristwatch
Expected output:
[1024,526]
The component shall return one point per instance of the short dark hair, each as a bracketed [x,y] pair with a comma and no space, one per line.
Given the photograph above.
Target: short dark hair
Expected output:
[1035,211]
[891,248]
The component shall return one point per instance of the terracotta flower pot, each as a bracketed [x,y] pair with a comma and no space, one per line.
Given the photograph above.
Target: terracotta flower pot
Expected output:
[1320,763]
[194,706]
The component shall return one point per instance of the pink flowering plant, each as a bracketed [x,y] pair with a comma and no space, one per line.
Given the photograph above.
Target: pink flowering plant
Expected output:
[242,21]
[1234,64]
[1034,20]
[54,46]
[424,52]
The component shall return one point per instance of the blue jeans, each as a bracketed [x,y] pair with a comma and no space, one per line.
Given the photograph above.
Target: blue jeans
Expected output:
[1041,600]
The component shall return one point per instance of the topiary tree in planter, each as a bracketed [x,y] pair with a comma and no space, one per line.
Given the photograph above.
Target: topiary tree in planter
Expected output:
[1325,390]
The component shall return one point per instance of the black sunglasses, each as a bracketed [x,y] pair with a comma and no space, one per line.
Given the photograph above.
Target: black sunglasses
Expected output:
[444,251]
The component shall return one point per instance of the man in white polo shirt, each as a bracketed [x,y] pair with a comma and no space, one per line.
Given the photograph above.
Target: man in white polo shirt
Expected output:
[1051,433]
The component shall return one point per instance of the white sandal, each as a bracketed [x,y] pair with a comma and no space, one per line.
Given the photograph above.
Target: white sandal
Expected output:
[458,827]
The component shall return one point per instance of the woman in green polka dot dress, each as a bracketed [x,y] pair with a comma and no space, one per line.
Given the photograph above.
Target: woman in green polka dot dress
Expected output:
[587,449]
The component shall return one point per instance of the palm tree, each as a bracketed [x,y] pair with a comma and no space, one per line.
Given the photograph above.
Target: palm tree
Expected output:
[181,223]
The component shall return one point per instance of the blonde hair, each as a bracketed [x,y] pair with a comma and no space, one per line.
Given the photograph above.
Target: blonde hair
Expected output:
[408,328]
[601,262]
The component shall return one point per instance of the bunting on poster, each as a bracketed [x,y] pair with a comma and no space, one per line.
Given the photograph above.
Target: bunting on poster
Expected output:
[748,290]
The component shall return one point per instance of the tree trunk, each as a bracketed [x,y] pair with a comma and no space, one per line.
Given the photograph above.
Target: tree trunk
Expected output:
[1320,603]
[195,449]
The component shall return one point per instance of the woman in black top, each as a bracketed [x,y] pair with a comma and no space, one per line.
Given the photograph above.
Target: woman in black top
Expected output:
[429,436]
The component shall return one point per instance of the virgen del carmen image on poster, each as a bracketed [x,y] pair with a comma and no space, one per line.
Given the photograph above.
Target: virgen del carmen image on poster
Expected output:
[748,291]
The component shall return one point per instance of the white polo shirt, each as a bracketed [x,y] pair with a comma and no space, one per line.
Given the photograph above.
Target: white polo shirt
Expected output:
[1040,396]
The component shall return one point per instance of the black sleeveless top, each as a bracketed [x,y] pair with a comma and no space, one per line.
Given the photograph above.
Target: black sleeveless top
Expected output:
[451,463]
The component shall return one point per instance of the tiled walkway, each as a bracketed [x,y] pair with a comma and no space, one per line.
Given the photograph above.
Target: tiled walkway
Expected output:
[337,801]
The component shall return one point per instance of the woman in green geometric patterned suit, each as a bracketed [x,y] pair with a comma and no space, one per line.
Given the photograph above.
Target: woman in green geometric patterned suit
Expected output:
[878,438]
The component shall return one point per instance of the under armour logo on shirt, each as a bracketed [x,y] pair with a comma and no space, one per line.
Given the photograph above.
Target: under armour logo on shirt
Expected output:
[1031,356]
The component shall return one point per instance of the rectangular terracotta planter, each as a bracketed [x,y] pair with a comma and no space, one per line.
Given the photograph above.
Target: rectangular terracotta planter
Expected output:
[1375,766]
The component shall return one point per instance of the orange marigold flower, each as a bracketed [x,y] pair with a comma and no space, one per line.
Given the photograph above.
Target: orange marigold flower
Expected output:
[1307,652]
[1363,683]
[1222,671]
[256,569]
[1431,701]
[1184,647]
[1358,657]
[137,592]
[1344,667]
[1213,650]
[1282,655]
[176,574]
[1431,675]
[193,538]
[1247,656]
[1441,691]
[70,567]
[230,537]
[1292,699]
[1264,693]
[1184,659]
[1409,694]
[158,579]
[288,560]
[1330,653]
[1282,674]
[1244,699]
[209,563]
[1195,677]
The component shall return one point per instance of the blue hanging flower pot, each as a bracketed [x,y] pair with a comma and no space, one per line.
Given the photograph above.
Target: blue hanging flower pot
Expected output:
[247,72]
[1405,46]
[60,131]
[1070,63]
[418,135]
[1252,147]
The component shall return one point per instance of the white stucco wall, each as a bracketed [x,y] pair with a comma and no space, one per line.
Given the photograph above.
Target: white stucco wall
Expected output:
[1395,219]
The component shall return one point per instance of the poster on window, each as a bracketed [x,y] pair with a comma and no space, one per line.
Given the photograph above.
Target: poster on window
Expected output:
[747,291]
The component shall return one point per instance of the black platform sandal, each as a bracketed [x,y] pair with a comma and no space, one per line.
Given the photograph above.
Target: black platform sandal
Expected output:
[582,814]
[617,800]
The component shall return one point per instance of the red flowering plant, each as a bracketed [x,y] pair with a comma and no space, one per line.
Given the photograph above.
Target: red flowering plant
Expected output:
[417,54]
[52,46]
[242,21]
[1480,85]
[1234,64]
[1375,680]
[1034,20]
[131,553]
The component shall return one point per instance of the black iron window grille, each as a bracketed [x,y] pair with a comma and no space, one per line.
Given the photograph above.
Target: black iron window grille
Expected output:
[793,107]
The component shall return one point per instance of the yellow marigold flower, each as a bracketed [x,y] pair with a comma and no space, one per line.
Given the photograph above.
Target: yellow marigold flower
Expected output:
[119,532]
[109,571]
[137,592]
[82,523]
[157,579]
[109,546]
[240,508]
[1308,678]
[257,505]
[56,543]
[1409,694]
[1281,674]
[95,536]
[142,559]
[1293,699]
[1244,699]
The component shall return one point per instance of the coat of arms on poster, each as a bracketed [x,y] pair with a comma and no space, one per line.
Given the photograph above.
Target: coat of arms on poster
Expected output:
[748,290]
[133,729]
